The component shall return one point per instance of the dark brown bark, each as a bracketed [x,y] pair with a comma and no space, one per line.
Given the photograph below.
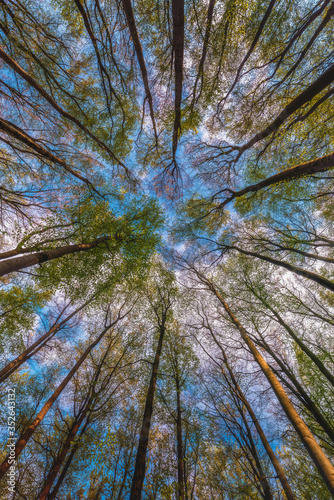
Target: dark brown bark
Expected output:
[139,472]
[20,135]
[294,269]
[178,50]
[306,96]
[29,79]
[242,434]
[253,45]
[103,72]
[275,462]
[26,435]
[298,33]
[321,461]
[265,490]
[44,494]
[37,346]
[180,458]
[324,22]
[62,476]
[126,471]
[283,248]
[309,168]
[17,263]
[20,249]
[88,404]
[140,56]
[204,52]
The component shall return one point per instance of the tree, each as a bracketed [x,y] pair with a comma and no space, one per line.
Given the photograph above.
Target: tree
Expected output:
[160,299]
[171,163]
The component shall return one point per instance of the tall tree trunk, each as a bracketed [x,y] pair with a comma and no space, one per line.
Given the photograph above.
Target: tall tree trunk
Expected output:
[178,48]
[180,458]
[139,472]
[294,269]
[61,457]
[26,435]
[19,134]
[321,461]
[87,405]
[277,466]
[262,479]
[103,72]
[279,471]
[305,97]
[298,341]
[298,171]
[253,45]
[126,472]
[62,476]
[17,263]
[30,80]
[204,52]
[37,346]
[299,391]
[127,7]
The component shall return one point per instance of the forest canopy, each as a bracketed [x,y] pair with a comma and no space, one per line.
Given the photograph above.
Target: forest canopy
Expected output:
[167,250]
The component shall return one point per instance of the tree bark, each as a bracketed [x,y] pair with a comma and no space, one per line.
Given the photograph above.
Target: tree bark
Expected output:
[20,135]
[275,462]
[26,435]
[321,461]
[204,51]
[178,49]
[44,495]
[36,346]
[139,472]
[101,67]
[294,269]
[309,168]
[180,458]
[29,79]
[17,263]
[127,7]
[61,478]
[253,45]
[299,342]
[306,96]
[299,391]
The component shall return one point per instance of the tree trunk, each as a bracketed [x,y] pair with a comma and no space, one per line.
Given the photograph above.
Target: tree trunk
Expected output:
[20,135]
[321,461]
[204,52]
[139,472]
[17,263]
[297,270]
[178,48]
[29,79]
[299,392]
[253,45]
[36,346]
[26,435]
[61,457]
[127,7]
[180,459]
[258,470]
[299,342]
[279,471]
[306,96]
[309,168]
[61,478]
